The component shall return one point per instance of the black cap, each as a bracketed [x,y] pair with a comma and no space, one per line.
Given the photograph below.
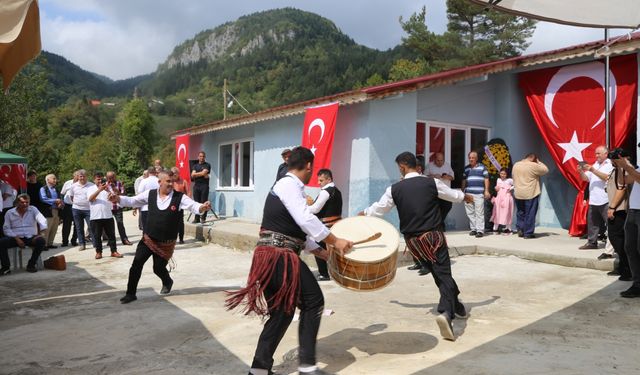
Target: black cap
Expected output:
[285,151]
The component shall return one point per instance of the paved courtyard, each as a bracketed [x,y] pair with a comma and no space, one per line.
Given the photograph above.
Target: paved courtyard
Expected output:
[526,318]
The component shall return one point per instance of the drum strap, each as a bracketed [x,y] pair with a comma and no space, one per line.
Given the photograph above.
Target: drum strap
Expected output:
[330,220]
[426,245]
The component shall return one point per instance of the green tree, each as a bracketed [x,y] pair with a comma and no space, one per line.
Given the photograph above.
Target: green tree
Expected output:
[406,69]
[136,126]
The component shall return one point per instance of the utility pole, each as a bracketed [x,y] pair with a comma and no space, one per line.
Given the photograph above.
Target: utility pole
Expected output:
[224,98]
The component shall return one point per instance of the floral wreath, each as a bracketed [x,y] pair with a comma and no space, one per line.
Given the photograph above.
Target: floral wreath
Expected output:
[496,156]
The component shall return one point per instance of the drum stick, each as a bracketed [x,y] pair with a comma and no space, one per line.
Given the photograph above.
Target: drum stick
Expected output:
[371,238]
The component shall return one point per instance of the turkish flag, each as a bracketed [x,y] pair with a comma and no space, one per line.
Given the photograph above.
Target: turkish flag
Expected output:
[568,106]
[15,175]
[182,157]
[317,135]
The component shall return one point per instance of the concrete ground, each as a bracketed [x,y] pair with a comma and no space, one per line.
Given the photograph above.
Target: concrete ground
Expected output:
[526,317]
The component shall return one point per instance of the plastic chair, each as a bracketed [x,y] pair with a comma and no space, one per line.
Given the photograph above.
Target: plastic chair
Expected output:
[17,259]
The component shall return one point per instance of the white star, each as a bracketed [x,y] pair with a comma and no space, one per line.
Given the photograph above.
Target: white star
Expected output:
[573,149]
[313,149]
[181,164]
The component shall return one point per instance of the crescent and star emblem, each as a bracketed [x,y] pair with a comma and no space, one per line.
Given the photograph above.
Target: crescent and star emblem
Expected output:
[319,123]
[182,148]
[595,71]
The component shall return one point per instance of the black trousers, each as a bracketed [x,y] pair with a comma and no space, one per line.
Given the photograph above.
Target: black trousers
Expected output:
[445,207]
[106,226]
[181,226]
[117,214]
[201,195]
[38,244]
[159,267]
[322,264]
[143,221]
[441,271]
[311,307]
[67,223]
[616,236]
[631,242]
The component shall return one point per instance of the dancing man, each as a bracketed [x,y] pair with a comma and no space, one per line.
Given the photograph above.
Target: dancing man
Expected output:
[159,238]
[278,280]
[416,197]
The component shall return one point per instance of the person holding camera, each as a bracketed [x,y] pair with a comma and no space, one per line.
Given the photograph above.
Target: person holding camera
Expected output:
[101,216]
[597,176]
[632,224]
[618,192]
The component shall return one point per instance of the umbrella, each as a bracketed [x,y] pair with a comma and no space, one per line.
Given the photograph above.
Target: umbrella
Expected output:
[623,14]
[19,36]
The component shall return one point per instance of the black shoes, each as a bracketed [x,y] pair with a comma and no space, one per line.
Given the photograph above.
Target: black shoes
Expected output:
[473,233]
[323,278]
[613,273]
[32,269]
[633,292]
[128,298]
[415,266]
[604,256]
[5,271]
[588,246]
[166,289]
[424,271]
[479,235]
[528,236]
[520,233]
[461,311]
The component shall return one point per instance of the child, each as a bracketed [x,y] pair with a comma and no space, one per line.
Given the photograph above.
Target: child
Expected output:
[503,204]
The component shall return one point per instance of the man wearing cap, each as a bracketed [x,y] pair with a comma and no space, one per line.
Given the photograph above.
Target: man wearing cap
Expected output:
[284,167]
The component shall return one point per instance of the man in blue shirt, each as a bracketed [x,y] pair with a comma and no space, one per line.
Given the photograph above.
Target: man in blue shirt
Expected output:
[476,183]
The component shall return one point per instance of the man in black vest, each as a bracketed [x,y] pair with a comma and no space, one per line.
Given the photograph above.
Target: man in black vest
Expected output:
[328,208]
[159,238]
[50,206]
[200,191]
[416,197]
[278,280]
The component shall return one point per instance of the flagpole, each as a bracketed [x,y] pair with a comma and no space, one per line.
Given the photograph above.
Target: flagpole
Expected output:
[224,98]
[607,97]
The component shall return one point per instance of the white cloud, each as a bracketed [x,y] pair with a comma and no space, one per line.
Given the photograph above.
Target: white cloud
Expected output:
[550,36]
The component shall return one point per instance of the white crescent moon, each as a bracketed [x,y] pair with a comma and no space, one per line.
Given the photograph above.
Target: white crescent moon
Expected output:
[594,70]
[314,123]
[182,147]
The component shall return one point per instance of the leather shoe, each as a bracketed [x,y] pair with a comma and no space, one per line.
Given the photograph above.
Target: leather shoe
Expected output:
[446,330]
[127,242]
[424,271]
[323,278]
[520,233]
[461,311]
[473,233]
[415,266]
[166,289]
[588,246]
[479,235]
[613,273]
[64,244]
[32,269]
[625,278]
[98,255]
[633,292]
[128,298]
[604,256]
[116,254]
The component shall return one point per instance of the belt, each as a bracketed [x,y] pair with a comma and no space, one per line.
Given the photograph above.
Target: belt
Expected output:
[330,220]
[275,239]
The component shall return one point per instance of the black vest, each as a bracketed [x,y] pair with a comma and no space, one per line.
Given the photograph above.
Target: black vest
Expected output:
[44,208]
[276,218]
[333,206]
[162,225]
[417,201]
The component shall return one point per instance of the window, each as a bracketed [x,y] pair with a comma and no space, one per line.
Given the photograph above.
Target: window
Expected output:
[455,142]
[236,165]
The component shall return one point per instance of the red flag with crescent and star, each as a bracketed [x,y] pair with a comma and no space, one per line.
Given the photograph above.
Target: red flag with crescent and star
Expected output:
[15,175]
[317,135]
[182,157]
[568,106]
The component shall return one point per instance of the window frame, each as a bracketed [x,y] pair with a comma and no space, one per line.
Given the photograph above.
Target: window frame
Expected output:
[234,177]
[447,136]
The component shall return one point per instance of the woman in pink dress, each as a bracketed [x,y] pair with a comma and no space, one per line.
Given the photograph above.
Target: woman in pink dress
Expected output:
[503,204]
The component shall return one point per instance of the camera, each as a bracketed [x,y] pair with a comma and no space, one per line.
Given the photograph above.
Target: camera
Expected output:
[103,181]
[617,153]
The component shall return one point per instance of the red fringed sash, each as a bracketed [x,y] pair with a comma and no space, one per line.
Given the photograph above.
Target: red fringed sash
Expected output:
[426,245]
[263,266]
[163,249]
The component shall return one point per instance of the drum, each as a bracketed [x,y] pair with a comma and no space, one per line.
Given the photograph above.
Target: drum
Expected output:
[371,265]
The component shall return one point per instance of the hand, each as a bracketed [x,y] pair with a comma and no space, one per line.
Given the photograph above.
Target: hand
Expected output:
[361,213]
[309,200]
[468,198]
[610,213]
[20,242]
[115,198]
[487,195]
[342,246]
[587,167]
[135,211]
[206,206]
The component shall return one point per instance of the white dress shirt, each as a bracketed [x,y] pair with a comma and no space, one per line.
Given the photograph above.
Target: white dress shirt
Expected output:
[385,204]
[147,184]
[65,189]
[16,225]
[322,198]
[291,194]
[78,195]
[597,194]
[142,199]
[101,206]
[136,184]
[433,169]
[6,188]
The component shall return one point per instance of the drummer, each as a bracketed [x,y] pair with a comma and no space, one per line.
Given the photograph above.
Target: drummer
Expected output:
[416,197]
[278,280]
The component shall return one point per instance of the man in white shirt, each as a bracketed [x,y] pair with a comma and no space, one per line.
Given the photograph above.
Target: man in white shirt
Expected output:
[23,226]
[8,196]
[147,184]
[442,171]
[597,176]
[101,217]
[81,207]
[67,214]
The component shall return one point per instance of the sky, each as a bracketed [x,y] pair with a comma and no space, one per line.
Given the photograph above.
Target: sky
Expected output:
[124,38]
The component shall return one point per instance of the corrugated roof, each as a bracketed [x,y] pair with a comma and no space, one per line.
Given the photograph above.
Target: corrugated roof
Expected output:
[621,45]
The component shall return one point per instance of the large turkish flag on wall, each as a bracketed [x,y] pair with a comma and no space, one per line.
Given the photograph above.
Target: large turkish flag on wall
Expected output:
[182,157]
[568,106]
[317,135]
[15,175]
